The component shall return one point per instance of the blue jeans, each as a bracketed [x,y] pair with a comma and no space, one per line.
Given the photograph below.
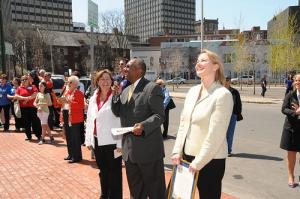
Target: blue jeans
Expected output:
[230,132]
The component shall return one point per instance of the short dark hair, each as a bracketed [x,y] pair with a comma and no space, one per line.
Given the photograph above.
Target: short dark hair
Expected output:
[76,73]
[141,63]
[3,76]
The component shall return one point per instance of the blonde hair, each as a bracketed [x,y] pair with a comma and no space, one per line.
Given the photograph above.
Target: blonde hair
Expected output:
[295,76]
[215,59]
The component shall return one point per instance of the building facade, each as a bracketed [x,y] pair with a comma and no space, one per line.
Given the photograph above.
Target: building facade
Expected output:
[282,20]
[151,56]
[147,18]
[179,58]
[49,14]
[210,26]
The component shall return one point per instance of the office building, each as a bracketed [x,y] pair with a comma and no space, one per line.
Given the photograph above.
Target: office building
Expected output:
[146,18]
[210,26]
[50,14]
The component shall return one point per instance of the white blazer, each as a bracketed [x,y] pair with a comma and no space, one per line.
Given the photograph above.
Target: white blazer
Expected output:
[105,121]
[203,125]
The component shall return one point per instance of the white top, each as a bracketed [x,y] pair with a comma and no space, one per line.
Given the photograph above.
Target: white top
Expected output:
[203,125]
[105,121]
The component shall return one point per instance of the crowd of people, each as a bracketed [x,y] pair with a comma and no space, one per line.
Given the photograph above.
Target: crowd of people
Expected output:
[128,99]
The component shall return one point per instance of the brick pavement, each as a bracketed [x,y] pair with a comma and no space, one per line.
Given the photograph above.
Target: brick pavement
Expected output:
[29,170]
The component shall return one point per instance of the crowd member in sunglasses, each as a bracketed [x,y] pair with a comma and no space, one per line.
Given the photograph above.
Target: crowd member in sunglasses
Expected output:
[26,94]
[73,106]
[121,79]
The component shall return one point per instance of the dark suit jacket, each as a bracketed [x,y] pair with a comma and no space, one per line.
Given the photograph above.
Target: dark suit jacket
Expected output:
[146,107]
[292,123]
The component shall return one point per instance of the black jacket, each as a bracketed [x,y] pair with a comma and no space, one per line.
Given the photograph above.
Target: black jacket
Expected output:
[292,123]
[237,103]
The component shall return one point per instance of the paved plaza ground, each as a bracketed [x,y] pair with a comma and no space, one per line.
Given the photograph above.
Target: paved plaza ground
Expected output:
[29,170]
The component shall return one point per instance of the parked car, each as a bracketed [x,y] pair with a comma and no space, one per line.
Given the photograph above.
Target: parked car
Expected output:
[176,80]
[86,82]
[245,79]
[58,83]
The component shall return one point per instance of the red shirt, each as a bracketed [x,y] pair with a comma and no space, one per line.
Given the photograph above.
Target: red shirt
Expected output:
[26,92]
[76,106]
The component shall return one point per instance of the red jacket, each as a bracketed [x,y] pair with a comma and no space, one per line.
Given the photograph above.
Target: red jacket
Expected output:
[77,107]
[26,92]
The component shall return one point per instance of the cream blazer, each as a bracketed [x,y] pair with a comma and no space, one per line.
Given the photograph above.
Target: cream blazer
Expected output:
[203,125]
[105,121]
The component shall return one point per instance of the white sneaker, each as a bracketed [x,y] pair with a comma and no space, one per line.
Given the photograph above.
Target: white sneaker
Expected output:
[40,142]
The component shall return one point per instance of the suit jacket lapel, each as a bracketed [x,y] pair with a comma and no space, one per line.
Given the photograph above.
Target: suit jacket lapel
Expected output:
[139,89]
[295,98]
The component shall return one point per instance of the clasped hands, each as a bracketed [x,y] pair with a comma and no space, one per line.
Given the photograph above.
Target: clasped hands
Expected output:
[296,108]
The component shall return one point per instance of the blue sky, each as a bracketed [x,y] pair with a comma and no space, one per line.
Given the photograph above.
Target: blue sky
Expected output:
[229,12]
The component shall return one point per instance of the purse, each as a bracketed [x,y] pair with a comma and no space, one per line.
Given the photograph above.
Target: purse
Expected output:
[171,104]
[239,117]
[17,109]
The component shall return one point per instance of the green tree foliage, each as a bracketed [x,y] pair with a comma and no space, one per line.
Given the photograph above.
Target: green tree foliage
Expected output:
[284,46]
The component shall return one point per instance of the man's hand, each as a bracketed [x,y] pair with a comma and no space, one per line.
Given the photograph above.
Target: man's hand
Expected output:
[138,129]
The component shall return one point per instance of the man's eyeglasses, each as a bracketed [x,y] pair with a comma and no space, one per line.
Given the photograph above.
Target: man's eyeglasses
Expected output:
[23,80]
[121,64]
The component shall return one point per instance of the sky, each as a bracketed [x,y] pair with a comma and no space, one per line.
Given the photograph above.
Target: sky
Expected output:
[232,14]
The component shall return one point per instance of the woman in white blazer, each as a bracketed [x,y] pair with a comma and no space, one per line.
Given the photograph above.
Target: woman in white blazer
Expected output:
[100,121]
[201,137]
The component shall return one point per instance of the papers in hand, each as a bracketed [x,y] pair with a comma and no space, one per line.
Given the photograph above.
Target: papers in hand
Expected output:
[117,153]
[121,131]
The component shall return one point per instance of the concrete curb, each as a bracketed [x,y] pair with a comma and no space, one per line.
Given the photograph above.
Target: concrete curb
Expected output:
[245,99]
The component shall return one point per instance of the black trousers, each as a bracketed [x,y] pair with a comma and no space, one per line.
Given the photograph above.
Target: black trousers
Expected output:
[146,179]
[110,171]
[166,123]
[51,117]
[6,115]
[56,116]
[30,119]
[18,121]
[210,178]
[263,91]
[72,137]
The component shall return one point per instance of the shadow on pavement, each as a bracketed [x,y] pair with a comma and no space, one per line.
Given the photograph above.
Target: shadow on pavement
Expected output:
[256,156]
[170,137]
[89,163]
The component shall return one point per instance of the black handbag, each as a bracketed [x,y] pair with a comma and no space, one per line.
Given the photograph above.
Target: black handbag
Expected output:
[239,117]
[171,104]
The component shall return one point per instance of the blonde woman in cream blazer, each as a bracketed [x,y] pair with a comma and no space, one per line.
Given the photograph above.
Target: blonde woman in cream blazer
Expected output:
[201,137]
[101,139]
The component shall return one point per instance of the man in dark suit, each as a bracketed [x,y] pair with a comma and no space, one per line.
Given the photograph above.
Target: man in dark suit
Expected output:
[141,105]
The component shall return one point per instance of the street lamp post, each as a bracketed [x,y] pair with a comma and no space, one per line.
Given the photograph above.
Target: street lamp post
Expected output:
[202,24]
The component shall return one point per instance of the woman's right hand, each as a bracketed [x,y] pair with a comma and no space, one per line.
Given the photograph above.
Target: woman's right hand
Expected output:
[176,158]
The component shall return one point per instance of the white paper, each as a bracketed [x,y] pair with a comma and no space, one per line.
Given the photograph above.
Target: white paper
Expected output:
[183,184]
[117,153]
[121,131]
